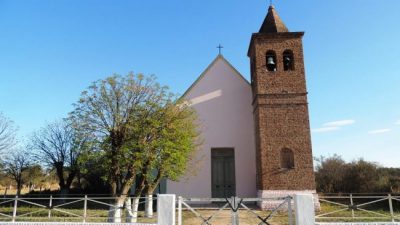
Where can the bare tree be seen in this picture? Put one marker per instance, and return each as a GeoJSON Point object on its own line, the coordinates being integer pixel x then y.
{"type": "Point", "coordinates": [60, 147]}
{"type": "Point", "coordinates": [15, 165]}
{"type": "Point", "coordinates": [7, 133]}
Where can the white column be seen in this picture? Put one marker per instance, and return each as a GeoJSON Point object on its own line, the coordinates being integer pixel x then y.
{"type": "Point", "coordinates": [166, 209]}
{"type": "Point", "coordinates": [304, 208]}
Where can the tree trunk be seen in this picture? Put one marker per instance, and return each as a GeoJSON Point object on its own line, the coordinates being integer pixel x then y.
{"type": "Point", "coordinates": [140, 184]}
{"type": "Point", "coordinates": [19, 187]}
{"type": "Point", "coordinates": [135, 208]}
{"type": "Point", "coordinates": [149, 196]}
{"type": "Point", "coordinates": [128, 208]}
{"type": "Point", "coordinates": [149, 206]}
{"type": "Point", "coordinates": [64, 191]}
{"type": "Point", "coordinates": [149, 201]}
{"type": "Point", "coordinates": [115, 212]}
{"type": "Point", "coordinates": [132, 208]}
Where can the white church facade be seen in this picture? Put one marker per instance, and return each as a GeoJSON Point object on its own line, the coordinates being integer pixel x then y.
{"type": "Point", "coordinates": [224, 164]}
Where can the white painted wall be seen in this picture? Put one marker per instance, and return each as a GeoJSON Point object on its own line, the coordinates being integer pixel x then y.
{"type": "Point", "coordinates": [222, 99]}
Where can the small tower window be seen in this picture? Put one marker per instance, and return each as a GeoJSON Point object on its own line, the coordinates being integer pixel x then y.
{"type": "Point", "coordinates": [288, 60]}
{"type": "Point", "coordinates": [287, 159]}
{"type": "Point", "coordinates": [271, 61]}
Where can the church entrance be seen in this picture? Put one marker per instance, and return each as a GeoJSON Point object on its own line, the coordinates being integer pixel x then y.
{"type": "Point", "coordinates": [223, 172]}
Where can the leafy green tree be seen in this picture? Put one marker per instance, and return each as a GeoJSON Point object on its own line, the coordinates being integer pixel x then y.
{"type": "Point", "coordinates": [330, 173]}
{"type": "Point", "coordinates": [116, 112]}
{"type": "Point", "coordinates": [172, 138]}
{"type": "Point", "coordinates": [361, 177]}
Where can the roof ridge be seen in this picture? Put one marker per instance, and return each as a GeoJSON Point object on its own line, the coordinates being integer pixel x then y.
{"type": "Point", "coordinates": [273, 23]}
{"type": "Point", "coordinates": [219, 56]}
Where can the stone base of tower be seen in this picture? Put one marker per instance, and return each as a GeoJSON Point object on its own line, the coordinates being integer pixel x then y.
{"type": "Point", "coordinates": [272, 204]}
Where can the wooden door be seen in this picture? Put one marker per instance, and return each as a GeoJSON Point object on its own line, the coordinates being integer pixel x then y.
{"type": "Point", "coordinates": [223, 172]}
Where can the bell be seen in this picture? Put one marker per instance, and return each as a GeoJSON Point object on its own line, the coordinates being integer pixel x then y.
{"type": "Point", "coordinates": [270, 61]}
{"type": "Point", "coordinates": [287, 59]}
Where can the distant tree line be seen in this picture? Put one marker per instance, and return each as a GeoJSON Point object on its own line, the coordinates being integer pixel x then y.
{"type": "Point", "coordinates": [334, 175]}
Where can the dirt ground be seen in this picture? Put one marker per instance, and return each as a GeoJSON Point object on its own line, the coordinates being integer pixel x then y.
{"type": "Point", "coordinates": [224, 218]}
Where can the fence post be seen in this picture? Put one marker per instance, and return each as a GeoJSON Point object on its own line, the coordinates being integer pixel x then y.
{"type": "Point", "coordinates": [180, 210]}
{"type": "Point", "coordinates": [391, 207]}
{"type": "Point", "coordinates": [15, 209]}
{"type": "Point", "coordinates": [166, 206]}
{"type": "Point", "coordinates": [50, 205]}
{"type": "Point", "coordinates": [290, 212]}
{"type": "Point", "coordinates": [352, 205]}
{"type": "Point", "coordinates": [85, 209]}
{"type": "Point", "coordinates": [234, 213]}
{"type": "Point", "coordinates": [304, 209]}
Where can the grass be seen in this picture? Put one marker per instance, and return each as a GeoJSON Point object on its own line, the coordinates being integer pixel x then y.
{"type": "Point", "coordinates": [374, 213]}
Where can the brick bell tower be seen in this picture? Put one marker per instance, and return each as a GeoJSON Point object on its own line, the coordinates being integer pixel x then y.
{"type": "Point", "coordinates": [283, 140]}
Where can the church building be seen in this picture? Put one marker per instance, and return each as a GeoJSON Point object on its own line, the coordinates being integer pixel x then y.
{"type": "Point", "coordinates": [255, 135]}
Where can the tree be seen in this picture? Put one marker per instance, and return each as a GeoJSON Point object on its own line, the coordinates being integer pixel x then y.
{"type": "Point", "coordinates": [59, 146]}
{"type": "Point", "coordinates": [7, 133]}
{"type": "Point", "coordinates": [172, 137]}
{"type": "Point", "coordinates": [15, 165]}
{"type": "Point", "coordinates": [34, 176]}
{"type": "Point", "coordinates": [330, 173]}
{"type": "Point", "coordinates": [334, 175]}
{"type": "Point", "coordinates": [116, 111]}
{"type": "Point", "coordinates": [361, 177]}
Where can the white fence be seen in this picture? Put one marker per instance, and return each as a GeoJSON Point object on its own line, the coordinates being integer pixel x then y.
{"type": "Point", "coordinates": [354, 208]}
{"type": "Point", "coordinates": [344, 210]}
{"type": "Point", "coordinates": [53, 210]}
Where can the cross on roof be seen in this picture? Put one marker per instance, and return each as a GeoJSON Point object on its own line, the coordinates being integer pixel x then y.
{"type": "Point", "coordinates": [220, 47]}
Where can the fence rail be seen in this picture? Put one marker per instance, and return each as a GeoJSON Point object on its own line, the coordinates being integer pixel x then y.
{"type": "Point", "coordinates": [350, 208]}
{"type": "Point", "coordinates": [74, 209]}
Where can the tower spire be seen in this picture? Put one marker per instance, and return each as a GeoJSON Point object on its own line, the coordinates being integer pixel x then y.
{"type": "Point", "coordinates": [272, 22]}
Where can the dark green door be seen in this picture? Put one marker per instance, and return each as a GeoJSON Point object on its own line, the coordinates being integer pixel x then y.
{"type": "Point", "coordinates": [223, 172]}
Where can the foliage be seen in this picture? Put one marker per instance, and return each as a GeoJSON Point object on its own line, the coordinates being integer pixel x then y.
{"type": "Point", "coordinates": [138, 125]}
{"type": "Point", "coordinates": [334, 175]}
{"type": "Point", "coordinates": [172, 137]}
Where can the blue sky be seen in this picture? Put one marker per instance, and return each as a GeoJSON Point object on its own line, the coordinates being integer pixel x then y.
{"type": "Point", "coordinates": [52, 50]}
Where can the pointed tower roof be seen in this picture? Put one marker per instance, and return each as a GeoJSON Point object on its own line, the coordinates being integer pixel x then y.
{"type": "Point", "coordinates": [273, 23]}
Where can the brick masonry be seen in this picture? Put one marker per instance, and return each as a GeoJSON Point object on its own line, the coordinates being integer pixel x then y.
{"type": "Point", "coordinates": [281, 115]}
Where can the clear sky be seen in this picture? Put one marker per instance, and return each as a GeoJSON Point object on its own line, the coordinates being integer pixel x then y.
{"type": "Point", "coordinates": [52, 50]}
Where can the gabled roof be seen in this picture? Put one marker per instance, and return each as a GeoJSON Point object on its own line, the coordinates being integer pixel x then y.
{"type": "Point", "coordinates": [219, 57]}
{"type": "Point", "coordinates": [273, 23]}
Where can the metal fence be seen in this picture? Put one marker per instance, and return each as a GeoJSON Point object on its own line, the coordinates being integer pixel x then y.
{"type": "Point", "coordinates": [355, 208]}
{"type": "Point", "coordinates": [72, 209]}
{"type": "Point", "coordinates": [233, 210]}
